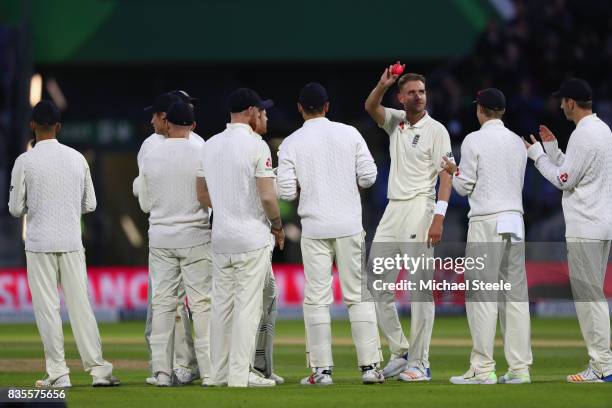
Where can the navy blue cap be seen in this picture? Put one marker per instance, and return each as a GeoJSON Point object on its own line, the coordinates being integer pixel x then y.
{"type": "Point", "coordinates": [576, 89]}
{"type": "Point", "coordinates": [313, 96]}
{"type": "Point", "coordinates": [243, 98]}
{"type": "Point", "coordinates": [45, 113]}
{"type": "Point", "coordinates": [162, 102]}
{"type": "Point", "coordinates": [181, 114]}
{"type": "Point", "coordinates": [491, 98]}
{"type": "Point", "coordinates": [185, 97]}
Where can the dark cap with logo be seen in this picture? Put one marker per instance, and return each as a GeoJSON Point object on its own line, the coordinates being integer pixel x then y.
{"type": "Point", "coordinates": [181, 114]}
{"type": "Point", "coordinates": [491, 98]}
{"type": "Point", "coordinates": [45, 113]}
{"type": "Point", "coordinates": [313, 96]}
{"type": "Point", "coordinates": [185, 97]}
{"type": "Point", "coordinates": [576, 89]}
{"type": "Point", "coordinates": [162, 102]}
{"type": "Point", "coordinates": [243, 98]}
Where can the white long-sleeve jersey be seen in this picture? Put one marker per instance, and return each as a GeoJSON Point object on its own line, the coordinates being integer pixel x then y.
{"type": "Point", "coordinates": [52, 185]}
{"type": "Point", "coordinates": [492, 170]}
{"type": "Point", "coordinates": [584, 173]}
{"type": "Point", "coordinates": [326, 162]}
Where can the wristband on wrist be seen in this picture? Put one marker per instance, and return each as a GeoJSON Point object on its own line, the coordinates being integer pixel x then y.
{"type": "Point", "coordinates": [441, 207]}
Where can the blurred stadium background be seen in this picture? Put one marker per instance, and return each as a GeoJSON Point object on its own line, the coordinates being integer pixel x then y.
{"type": "Point", "coordinates": [103, 61]}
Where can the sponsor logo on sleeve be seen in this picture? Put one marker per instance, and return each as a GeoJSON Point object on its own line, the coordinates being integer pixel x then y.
{"type": "Point", "coordinates": [401, 125]}
{"type": "Point", "coordinates": [457, 173]}
{"type": "Point", "coordinates": [11, 189]}
{"type": "Point", "coordinates": [268, 163]}
{"type": "Point", "coordinates": [563, 177]}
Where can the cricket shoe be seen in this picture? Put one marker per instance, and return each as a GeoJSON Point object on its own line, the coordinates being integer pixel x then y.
{"type": "Point", "coordinates": [258, 381]}
{"type": "Point", "coordinates": [108, 381]}
{"type": "Point", "coordinates": [318, 377]}
{"type": "Point", "coordinates": [277, 379]}
{"type": "Point", "coordinates": [396, 366]}
{"type": "Point", "coordinates": [372, 375]}
{"type": "Point", "coordinates": [207, 382]}
{"type": "Point", "coordinates": [185, 376]}
{"type": "Point", "coordinates": [60, 382]}
{"type": "Point", "coordinates": [163, 380]}
{"type": "Point", "coordinates": [415, 374]}
{"type": "Point", "coordinates": [512, 378]}
{"type": "Point", "coordinates": [471, 378]}
{"type": "Point", "coordinates": [588, 376]}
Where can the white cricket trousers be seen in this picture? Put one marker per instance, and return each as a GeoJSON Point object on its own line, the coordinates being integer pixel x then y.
{"type": "Point", "coordinates": [238, 281]}
{"type": "Point", "coordinates": [168, 267]}
{"type": "Point", "coordinates": [406, 223]}
{"type": "Point", "coordinates": [184, 353]}
{"type": "Point", "coordinates": [45, 271]}
{"type": "Point", "coordinates": [318, 256]}
{"type": "Point", "coordinates": [588, 260]}
{"type": "Point", "coordinates": [503, 260]}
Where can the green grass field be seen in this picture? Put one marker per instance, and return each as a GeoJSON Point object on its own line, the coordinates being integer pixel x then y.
{"type": "Point", "coordinates": [558, 350]}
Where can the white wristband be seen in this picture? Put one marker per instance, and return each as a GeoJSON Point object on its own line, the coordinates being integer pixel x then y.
{"type": "Point", "coordinates": [441, 207]}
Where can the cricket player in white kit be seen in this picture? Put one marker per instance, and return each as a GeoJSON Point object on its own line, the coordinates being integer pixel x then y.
{"type": "Point", "coordinates": [236, 179]}
{"type": "Point", "coordinates": [412, 219]}
{"type": "Point", "coordinates": [491, 174]}
{"type": "Point", "coordinates": [185, 362]}
{"type": "Point", "coordinates": [179, 242]}
{"type": "Point", "coordinates": [584, 173]}
{"type": "Point", "coordinates": [52, 186]}
{"type": "Point", "coordinates": [325, 163]}
{"type": "Point", "coordinates": [263, 362]}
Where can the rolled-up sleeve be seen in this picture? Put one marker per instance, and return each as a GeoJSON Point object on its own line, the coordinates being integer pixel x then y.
{"type": "Point", "coordinates": [17, 191]}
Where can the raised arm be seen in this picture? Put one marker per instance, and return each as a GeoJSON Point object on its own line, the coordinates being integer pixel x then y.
{"type": "Point", "coordinates": [551, 146]}
{"type": "Point", "coordinates": [567, 175]}
{"type": "Point", "coordinates": [373, 102]}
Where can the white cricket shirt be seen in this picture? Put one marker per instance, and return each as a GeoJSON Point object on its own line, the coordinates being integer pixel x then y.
{"type": "Point", "coordinates": [230, 162]}
{"type": "Point", "coordinates": [416, 154]}
{"type": "Point", "coordinates": [328, 161]}
{"type": "Point", "coordinates": [492, 170]}
{"type": "Point", "coordinates": [168, 193]}
{"type": "Point", "coordinates": [52, 185]}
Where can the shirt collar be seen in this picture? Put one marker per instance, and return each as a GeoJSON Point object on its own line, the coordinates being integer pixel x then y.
{"type": "Point", "coordinates": [240, 126]}
{"type": "Point", "coordinates": [492, 122]}
{"type": "Point", "coordinates": [316, 120]}
{"type": "Point", "coordinates": [586, 119]}
{"type": "Point", "coordinates": [47, 141]}
{"type": "Point", "coordinates": [421, 121]}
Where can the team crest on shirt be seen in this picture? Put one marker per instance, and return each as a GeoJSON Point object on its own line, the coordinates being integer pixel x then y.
{"type": "Point", "coordinates": [563, 177]}
{"type": "Point", "coordinates": [269, 163]}
{"type": "Point", "coordinates": [415, 140]}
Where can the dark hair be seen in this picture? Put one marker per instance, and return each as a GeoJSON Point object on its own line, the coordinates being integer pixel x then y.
{"type": "Point", "coordinates": [410, 77]}
{"type": "Point", "coordinates": [316, 111]}
{"type": "Point", "coordinates": [585, 104]}
{"type": "Point", "coordinates": [490, 113]}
